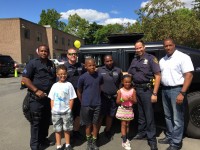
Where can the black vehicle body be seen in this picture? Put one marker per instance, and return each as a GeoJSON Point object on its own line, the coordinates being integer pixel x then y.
{"type": "Point", "coordinates": [6, 65]}
{"type": "Point", "coordinates": [123, 55]}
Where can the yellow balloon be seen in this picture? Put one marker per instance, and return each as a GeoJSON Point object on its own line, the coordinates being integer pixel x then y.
{"type": "Point", "coordinates": [77, 44]}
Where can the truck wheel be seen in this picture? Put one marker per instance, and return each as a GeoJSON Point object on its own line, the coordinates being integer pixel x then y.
{"type": "Point", "coordinates": [193, 112]}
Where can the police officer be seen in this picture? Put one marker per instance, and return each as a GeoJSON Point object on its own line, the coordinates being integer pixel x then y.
{"type": "Point", "coordinates": [39, 75]}
{"type": "Point", "coordinates": [74, 70]}
{"type": "Point", "coordinates": [112, 78]}
{"type": "Point", "coordinates": [144, 67]}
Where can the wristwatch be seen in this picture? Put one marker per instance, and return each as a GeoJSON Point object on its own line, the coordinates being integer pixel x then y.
{"type": "Point", "coordinates": [155, 94]}
{"type": "Point", "coordinates": [183, 93]}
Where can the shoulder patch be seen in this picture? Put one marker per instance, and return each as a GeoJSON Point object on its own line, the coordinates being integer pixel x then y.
{"type": "Point", "coordinates": [155, 60]}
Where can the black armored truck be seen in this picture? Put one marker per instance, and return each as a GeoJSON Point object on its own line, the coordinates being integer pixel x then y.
{"type": "Point", "coordinates": [121, 47]}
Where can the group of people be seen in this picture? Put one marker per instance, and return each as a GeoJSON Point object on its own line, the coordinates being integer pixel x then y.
{"type": "Point", "coordinates": [74, 94]}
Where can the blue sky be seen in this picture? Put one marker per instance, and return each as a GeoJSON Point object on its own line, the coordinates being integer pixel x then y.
{"type": "Point", "coordinates": [100, 11]}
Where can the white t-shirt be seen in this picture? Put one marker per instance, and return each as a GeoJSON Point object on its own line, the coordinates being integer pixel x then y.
{"type": "Point", "coordinates": [173, 68]}
{"type": "Point", "coordinates": [61, 93]}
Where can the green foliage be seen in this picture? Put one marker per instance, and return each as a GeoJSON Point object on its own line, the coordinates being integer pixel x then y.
{"type": "Point", "coordinates": [93, 28]}
{"type": "Point", "coordinates": [77, 26]}
{"type": "Point", "coordinates": [51, 17]}
{"type": "Point", "coordinates": [196, 8]}
{"type": "Point", "coordinates": [160, 20]}
{"type": "Point", "coordinates": [102, 33]}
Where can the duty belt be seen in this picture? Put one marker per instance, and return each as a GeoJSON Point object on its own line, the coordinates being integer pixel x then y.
{"type": "Point", "coordinates": [33, 96]}
{"type": "Point", "coordinates": [144, 85]}
{"type": "Point", "coordinates": [109, 96]}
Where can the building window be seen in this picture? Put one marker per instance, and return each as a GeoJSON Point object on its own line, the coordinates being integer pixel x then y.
{"type": "Point", "coordinates": [27, 33]}
{"type": "Point", "coordinates": [63, 41]}
{"type": "Point", "coordinates": [68, 42]}
{"type": "Point", "coordinates": [56, 39]}
{"type": "Point", "coordinates": [39, 36]}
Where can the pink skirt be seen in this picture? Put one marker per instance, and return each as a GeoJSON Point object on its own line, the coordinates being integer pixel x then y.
{"type": "Point", "coordinates": [125, 113]}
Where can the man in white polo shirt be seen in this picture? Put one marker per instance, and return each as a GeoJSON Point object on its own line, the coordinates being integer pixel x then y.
{"type": "Point", "coordinates": [176, 76]}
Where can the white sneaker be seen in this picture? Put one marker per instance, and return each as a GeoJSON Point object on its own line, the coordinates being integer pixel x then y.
{"type": "Point", "coordinates": [126, 145]}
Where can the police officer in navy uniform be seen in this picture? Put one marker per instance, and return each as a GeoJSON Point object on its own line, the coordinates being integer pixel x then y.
{"type": "Point", "coordinates": [144, 68]}
{"type": "Point", "coordinates": [39, 75]}
{"type": "Point", "coordinates": [74, 70]}
{"type": "Point", "coordinates": [112, 76]}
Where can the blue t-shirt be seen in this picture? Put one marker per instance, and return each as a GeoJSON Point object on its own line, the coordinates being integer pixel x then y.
{"type": "Point", "coordinates": [90, 86]}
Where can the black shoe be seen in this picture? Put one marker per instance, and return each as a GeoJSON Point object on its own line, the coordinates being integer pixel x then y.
{"type": "Point", "coordinates": [173, 148]}
{"type": "Point", "coordinates": [164, 141]}
{"type": "Point", "coordinates": [47, 142]}
{"type": "Point", "coordinates": [68, 148]}
{"type": "Point", "coordinates": [139, 137]}
{"type": "Point", "coordinates": [89, 144]}
{"type": "Point", "coordinates": [108, 134]}
{"type": "Point", "coordinates": [94, 144]}
{"type": "Point", "coordinates": [77, 135]}
{"type": "Point", "coordinates": [153, 147]}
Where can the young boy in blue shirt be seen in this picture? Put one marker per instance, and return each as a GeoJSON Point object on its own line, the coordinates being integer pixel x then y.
{"type": "Point", "coordinates": [89, 92]}
{"type": "Point", "coordinates": [62, 95]}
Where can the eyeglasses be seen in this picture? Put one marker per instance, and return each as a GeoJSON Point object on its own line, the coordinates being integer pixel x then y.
{"type": "Point", "coordinates": [71, 54]}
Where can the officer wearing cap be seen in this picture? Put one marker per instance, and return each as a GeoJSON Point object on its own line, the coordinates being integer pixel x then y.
{"type": "Point", "coordinates": [39, 75]}
{"type": "Point", "coordinates": [112, 78]}
{"type": "Point", "coordinates": [74, 70]}
{"type": "Point", "coordinates": [144, 67]}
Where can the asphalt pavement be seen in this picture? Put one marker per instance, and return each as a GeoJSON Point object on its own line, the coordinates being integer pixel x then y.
{"type": "Point", "coordinates": [15, 129]}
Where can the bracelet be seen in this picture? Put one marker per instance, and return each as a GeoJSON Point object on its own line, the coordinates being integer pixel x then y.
{"type": "Point", "coordinates": [155, 94]}
{"type": "Point", "coordinates": [183, 93]}
{"type": "Point", "coordinates": [121, 99]}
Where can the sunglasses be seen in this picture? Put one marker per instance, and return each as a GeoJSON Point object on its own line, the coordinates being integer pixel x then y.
{"type": "Point", "coordinates": [71, 54]}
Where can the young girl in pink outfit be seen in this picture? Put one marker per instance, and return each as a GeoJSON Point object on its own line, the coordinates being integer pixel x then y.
{"type": "Point", "coordinates": [126, 97]}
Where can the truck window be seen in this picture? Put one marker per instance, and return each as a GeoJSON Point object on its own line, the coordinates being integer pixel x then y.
{"type": "Point", "coordinates": [97, 57]}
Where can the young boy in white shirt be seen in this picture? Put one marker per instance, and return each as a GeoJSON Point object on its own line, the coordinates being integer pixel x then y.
{"type": "Point", "coordinates": [62, 94]}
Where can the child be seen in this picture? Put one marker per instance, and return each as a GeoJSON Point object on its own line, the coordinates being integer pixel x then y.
{"type": "Point", "coordinates": [88, 91]}
{"type": "Point", "coordinates": [126, 96]}
{"type": "Point", "coordinates": [62, 94]}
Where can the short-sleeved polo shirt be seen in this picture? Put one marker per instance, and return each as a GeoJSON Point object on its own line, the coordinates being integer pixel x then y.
{"type": "Point", "coordinates": [174, 67]}
{"type": "Point", "coordinates": [91, 92]}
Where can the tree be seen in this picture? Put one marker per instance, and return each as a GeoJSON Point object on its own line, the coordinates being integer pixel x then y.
{"type": "Point", "coordinates": [51, 17]}
{"type": "Point", "coordinates": [93, 28]}
{"type": "Point", "coordinates": [160, 20]}
{"type": "Point", "coordinates": [101, 34]}
{"type": "Point", "coordinates": [196, 8]}
{"type": "Point", "coordinates": [77, 26]}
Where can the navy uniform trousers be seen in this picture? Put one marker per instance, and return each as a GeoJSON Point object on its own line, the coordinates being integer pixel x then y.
{"type": "Point", "coordinates": [41, 119]}
{"type": "Point", "coordinates": [146, 124]}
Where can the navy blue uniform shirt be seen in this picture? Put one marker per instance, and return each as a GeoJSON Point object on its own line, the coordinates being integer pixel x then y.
{"type": "Point", "coordinates": [74, 72]}
{"type": "Point", "coordinates": [144, 68]}
{"type": "Point", "coordinates": [91, 92]}
{"type": "Point", "coordinates": [42, 75]}
{"type": "Point", "coordinates": [112, 79]}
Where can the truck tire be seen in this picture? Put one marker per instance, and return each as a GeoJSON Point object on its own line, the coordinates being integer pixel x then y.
{"type": "Point", "coordinates": [193, 114]}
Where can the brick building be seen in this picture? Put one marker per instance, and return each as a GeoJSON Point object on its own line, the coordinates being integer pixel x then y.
{"type": "Point", "coordinates": [19, 38]}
